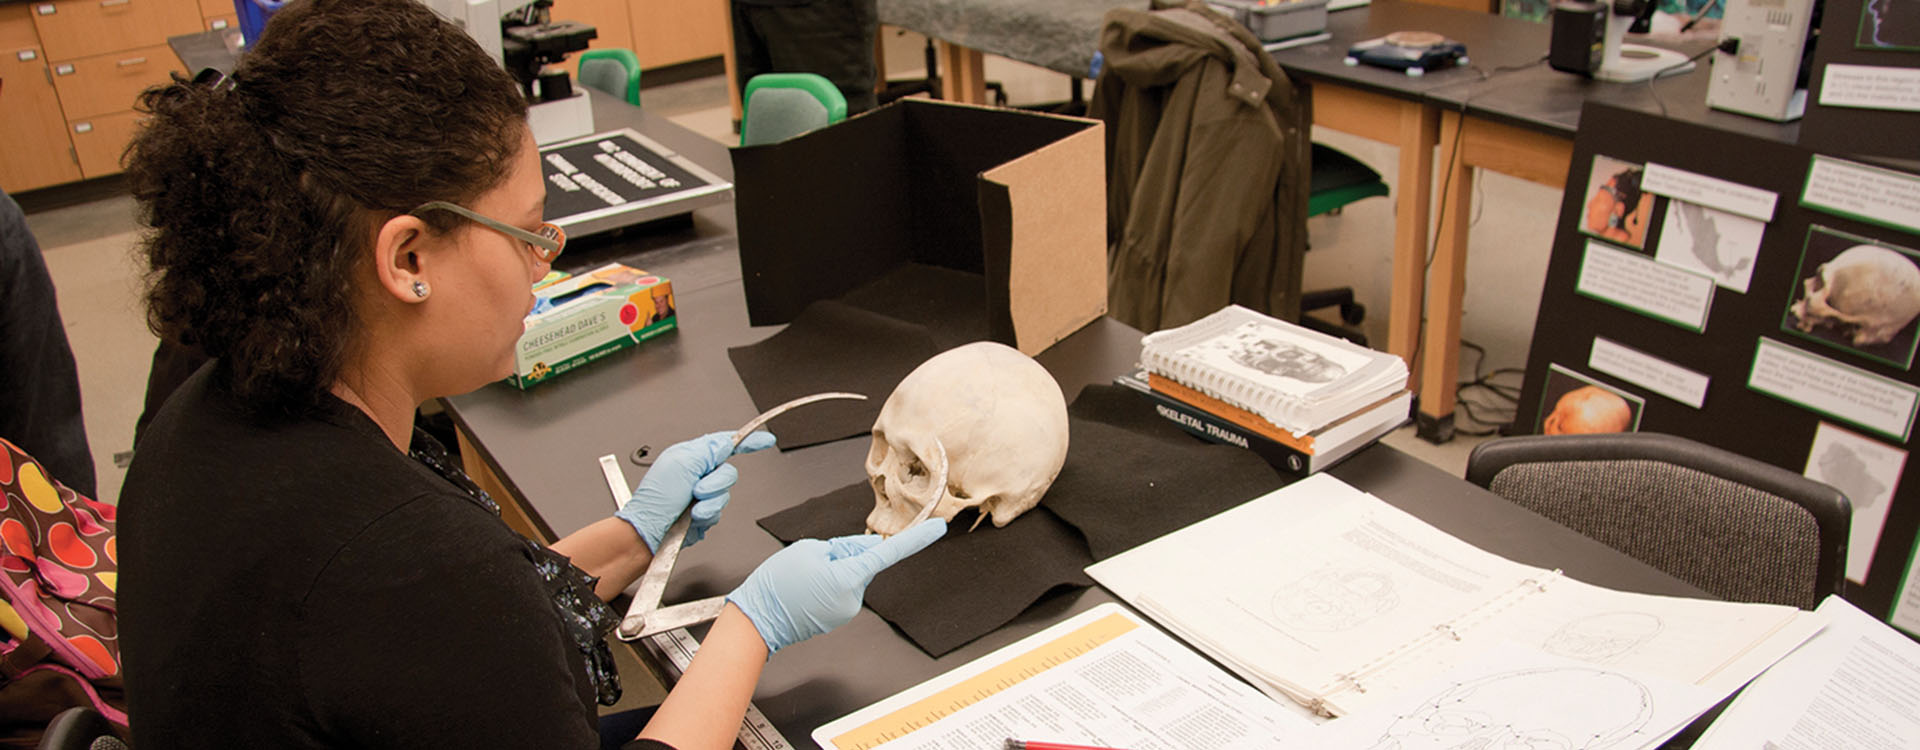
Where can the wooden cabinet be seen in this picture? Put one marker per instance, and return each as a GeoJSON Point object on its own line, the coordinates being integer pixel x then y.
{"type": "Point", "coordinates": [34, 149]}
{"type": "Point", "coordinates": [660, 32]}
{"type": "Point", "coordinates": [73, 71]}
{"type": "Point", "coordinates": [99, 141]}
{"type": "Point", "coordinates": [609, 18]}
{"type": "Point", "coordinates": [103, 84]}
{"type": "Point", "coordinates": [666, 32]}
{"type": "Point", "coordinates": [82, 28]}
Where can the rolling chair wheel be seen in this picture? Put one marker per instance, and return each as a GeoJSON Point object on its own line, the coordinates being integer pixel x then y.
{"type": "Point", "coordinates": [1353, 313]}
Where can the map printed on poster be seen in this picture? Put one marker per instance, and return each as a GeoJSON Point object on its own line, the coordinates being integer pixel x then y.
{"type": "Point", "coordinates": [1867, 472]}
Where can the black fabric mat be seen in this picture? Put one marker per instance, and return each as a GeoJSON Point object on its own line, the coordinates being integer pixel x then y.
{"type": "Point", "coordinates": [951, 304]}
{"type": "Point", "coordinates": [1132, 476]}
{"type": "Point", "coordinates": [831, 346]}
{"type": "Point", "coordinates": [963, 586]}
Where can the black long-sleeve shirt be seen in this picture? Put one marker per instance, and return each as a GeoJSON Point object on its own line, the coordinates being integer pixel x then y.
{"type": "Point", "coordinates": [303, 583]}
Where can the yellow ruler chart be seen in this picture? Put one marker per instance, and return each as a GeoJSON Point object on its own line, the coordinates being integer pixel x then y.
{"type": "Point", "coordinates": [1015, 669]}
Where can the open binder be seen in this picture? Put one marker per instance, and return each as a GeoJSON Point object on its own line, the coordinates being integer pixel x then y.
{"type": "Point", "coordinates": [1327, 596]}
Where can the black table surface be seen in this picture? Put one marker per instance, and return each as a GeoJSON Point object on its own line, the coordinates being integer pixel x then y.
{"type": "Point", "coordinates": [1507, 79]}
{"type": "Point", "coordinates": [545, 444]}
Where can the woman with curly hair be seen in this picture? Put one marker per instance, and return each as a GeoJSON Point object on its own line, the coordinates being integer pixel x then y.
{"type": "Point", "coordinates": [349, 225]}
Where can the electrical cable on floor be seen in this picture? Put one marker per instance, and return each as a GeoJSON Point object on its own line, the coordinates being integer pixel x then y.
{"type": "Point", "coordinates": [1499, 405]}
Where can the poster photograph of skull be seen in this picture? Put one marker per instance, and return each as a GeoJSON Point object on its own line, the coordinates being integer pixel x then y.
{"type": "Point", "coordinates": [1574, 404]}
{"type": "Point", "coordinates": [1857, 294]}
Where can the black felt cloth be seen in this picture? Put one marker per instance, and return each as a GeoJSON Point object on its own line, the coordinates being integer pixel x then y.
{"type": "Point", "coordinates": [832, 346]}
{"type": "Point", "coordinates": [1130, 477]}
{"type": "Point", "coordinates": [865, 342]}
{"type": "Point", "coordinates": [963, 586]}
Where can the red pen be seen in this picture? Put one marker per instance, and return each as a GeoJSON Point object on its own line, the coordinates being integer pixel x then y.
{"type": "Point", "coordinates": [1013, 744]}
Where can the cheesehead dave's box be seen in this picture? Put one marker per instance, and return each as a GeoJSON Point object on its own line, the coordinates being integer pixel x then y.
{"type": "Point", "coordinates": [584, 317]}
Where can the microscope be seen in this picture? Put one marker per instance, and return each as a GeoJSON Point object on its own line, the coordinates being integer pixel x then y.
{"type": "Point", "coordinates": [533, 48]}
{"type": "Point", "coordinates": [1589, 38]}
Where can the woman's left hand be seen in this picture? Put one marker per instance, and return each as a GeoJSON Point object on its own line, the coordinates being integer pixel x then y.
{"type": "Point", "coordinates": [693, 472]}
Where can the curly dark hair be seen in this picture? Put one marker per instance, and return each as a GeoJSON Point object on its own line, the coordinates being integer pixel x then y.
{"type": "Point", "coordinates": [262, 190]}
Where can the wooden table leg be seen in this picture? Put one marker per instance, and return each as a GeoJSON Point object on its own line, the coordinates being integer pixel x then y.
{"type": "Point", "coordinates": [963, 74]}
{"type": "Point", "coordinates": [1440, 350]}
{"type": "Point", "coordinates": [1419, 131]}
{"type": "Point", "coordinates": [726, 55]}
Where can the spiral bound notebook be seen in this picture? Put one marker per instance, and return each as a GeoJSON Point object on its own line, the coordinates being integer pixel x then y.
{"type": "Point", "coordinates": [1296, 378]}
{"type": "Point", "coordinates": [1321, 594]}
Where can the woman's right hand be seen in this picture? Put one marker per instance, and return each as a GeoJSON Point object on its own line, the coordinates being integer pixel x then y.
{"type": "Point", "coordinates": [814, 586]}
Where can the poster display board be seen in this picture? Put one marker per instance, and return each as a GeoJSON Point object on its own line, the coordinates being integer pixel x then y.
{"type": "Point", "coordinates": [1863, 89]}
{"type": "Point", "coordinates": [1756, 295]}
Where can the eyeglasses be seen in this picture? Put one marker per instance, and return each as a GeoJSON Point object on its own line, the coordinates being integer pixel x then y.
{"type": "Point", "coordinates": [544, 244]}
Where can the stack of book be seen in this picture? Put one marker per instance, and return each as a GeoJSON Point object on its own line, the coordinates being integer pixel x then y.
{"type": "Point", "coordinates": [1299, 398]}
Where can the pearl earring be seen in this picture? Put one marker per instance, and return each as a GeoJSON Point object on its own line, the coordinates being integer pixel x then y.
{"type": "Point", "coordinates": [420, 289]}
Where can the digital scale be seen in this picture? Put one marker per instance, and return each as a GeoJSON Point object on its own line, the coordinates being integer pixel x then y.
{"type": "Point", "coordinates": [1414, 52]}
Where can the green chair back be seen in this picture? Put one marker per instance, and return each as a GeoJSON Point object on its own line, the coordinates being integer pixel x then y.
{"type": "Point", "coordinates": [615, 71]}
{"type": "Point", "coordinates": [1339, 179]}
{"type": "Point", "coordinates": [778, 106]}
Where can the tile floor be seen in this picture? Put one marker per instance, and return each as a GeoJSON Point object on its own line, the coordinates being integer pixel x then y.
{"type": "Point", "coordinates": [89, 236]}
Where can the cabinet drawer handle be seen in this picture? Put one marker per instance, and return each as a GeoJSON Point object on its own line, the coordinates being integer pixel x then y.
{"type": "Point", "coordinates": [83, 127]}
{"type": "Point", "coordinates": [27, 55]}
{"type": "Point", "coordinates": [111, 3]}
{"type": "Point", "coordinates": [45, 9]}
{"type": "Point", "coordinates": [63, 69]}
{"type": "Point", "coordinates": [132, 61]}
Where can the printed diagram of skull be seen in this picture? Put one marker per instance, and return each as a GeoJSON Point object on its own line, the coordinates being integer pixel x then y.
{"type": "Point", "coordinates": [1873, 290]}
{"type": "Point", "coordinates": [1001, 420]}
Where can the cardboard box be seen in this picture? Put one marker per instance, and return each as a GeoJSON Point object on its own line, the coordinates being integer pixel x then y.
{"type": "Point", "coordinates": [1016, 197]}
{"type": "Point", "coordinates": [593, 314]}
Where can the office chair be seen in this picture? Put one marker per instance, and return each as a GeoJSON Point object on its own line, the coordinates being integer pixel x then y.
{"type": "Point", "coordinates": [615, 71]}
{"type": "Point", "coordinates": [778, 106]}
{"type": "Point", "coordinates": [80, 728]}
{"type": "Point", "coordinates": [1738, 528]}
{"type": "Point", "coordinates": [1337, 180]}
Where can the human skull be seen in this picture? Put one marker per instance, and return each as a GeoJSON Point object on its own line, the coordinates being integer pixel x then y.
{"type": "Point", "coordinates": [1872, 289]}
{"type": "Point", "coordinates": [1001, 420]}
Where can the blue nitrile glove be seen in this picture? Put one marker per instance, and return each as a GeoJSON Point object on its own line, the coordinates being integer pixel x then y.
{"type": "Point", "coordinates": [814, 586]}
{"type": "Point", "coordinates": [694, 471]}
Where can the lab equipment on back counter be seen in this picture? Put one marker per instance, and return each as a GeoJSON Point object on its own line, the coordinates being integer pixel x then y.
{"type": "Point", "coordinates": [1761, 66]}
{"type": "Point", "coordinates": [533, 47]}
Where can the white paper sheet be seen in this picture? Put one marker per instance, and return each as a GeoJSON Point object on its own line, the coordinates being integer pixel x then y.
{"type": "Point", "coordinates": [1650, 372]}
{"type": "Point", "coordinates": [1814, 382]}
{"type": "Point", "coordinates": [1639, 283]}
{"type": "Point", "coordinates": [1871, 87]}
{"type": "Point", "coordinates": [1881, 196]}
{"type": "Point", "coordinates": [1515, 696]}
{"type": "Point", "coordinates": [1078, 683]}
{"type": "Point", "coordinates": [1856, 685]}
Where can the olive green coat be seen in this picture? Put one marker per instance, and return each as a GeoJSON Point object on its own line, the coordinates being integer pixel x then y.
{"type": "Point", "coordinates": [1208, 155]}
